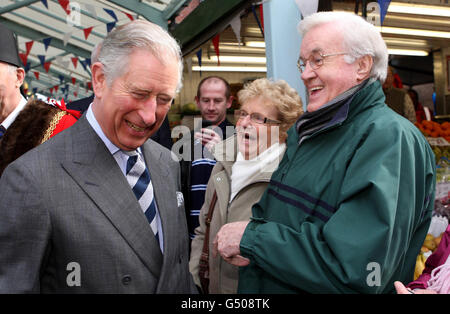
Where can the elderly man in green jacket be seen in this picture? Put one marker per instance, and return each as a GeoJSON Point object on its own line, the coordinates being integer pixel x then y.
{"type": "Point", "coordinates": [350, 204]}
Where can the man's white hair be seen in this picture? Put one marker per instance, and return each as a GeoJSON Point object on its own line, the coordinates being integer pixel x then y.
{"type": "Point", "coordinates": [360, 38]}
{"type": "Point", "coordinates": [121, 42]}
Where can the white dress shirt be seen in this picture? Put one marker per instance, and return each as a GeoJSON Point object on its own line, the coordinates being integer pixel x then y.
{"type": "Point", "coordinates": [13, 115]}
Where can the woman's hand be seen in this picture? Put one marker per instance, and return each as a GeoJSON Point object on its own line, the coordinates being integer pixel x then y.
{"type": "Point", "coordinates": [401, 289]}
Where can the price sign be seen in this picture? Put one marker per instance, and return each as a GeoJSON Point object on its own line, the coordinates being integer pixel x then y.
{"type": "Point", "coordinates": [437, 141]}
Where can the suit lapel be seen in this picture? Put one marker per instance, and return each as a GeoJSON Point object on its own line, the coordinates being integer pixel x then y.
{"type": "Point", "coordinates": [166, 201]}
{"type": "Point", "coordinates": [96, 171]}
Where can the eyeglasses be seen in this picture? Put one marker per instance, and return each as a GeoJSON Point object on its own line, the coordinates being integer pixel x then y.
{"type": "Point", "coordinates": [315, 60]}
{"type": "Point", "coordinates": [254, 117]}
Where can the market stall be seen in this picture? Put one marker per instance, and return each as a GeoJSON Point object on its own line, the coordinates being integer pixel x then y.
{"type": "Point", "coordinates": [438, 136]}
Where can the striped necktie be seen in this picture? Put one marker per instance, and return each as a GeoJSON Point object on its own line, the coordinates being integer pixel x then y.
{"type": "Point", "coordinates": [138, 178]}
{"type": "Point", "coordinates": [2, 131]}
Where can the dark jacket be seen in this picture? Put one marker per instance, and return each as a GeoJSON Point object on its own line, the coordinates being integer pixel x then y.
{"type": "Point", "coordinates": [186, 167]}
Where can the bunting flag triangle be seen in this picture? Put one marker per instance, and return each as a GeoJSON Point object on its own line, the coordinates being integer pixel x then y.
{"type": "Point", "coordinates": [215, 41]}
{"type": "Point", "coordinates": [44, 2]}
{"type": "Point", "coordinates": [61, 79]}
{"type": "Point", "coordinates": [261, 16]}
{"type": "Point", "coordinates": [189, 66]}
{"type": "Point", "coordinates": [36, 74]}
{"type": "Point", "coordinates": [91, 9]}
{"type": "Point", "coordinates": [41, 59]}
{"type": "Point", "coordinates": [257, 20]}
{"type": "Point", "coordinates": [56, 88]}
{"type": "Point", "coordinates": [384, 4]}
{"type": "Point", "coordinates": [65, 64]}
{"type": "Point", "coordinates": [129, 15]}
{"type": "Point", "coordinates": [34, 90]}
{"type": "Point", "coordinates": [199, 58]}
{"type": "Point", "coordinates": [110, 26]}
{"type": "Point", "coordinates": [58, 60]}
{"type": "Point", "coordinates": [84, 64]}
{"type": "Point", "coordinates": [88, 61]}
{"type": "Point", "coordinates": [73, 80]}
{"type": "Point", "coordinates": [307, 7]}
{"type": "Point", "coordinates": [87, 32]}
{"type": "Point", "coordinates": [236, 27]}
{"type": "Point", "coordinates": [111, 12]}
{"type": "Point", "coordinates": [75, 62]}
{"type": "Point", "coordinates": [27, 67]}
{"type": "Point", "coordinates": [67, 37]}
{"type": "Point", "coordinates": [65, 5]}
{"type": "Point", "coordinates": [47, 42]}
{"type": "Point", "coordinates": [89, 85]}
{"type": "Point", "coordinates": [51, 90]}
{"type": "Point", "coordinates": [28, 46]}
{"type": "Point", "coordinates": [47, 66]}
{"type": "Point", "coordinates": [75, 94]}
{"type": "Point", "coordinates": [23, 58]}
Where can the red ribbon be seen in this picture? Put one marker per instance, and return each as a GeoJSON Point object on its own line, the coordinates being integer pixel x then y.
{"type": "Point", "coordinates": [62, 106]}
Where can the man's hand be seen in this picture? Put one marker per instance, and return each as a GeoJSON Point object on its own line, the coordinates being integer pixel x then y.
{"type": "Point", "coordinates": [227, 243]}
{"type": "Point", "coordinates": [208, 137]}
{"type": "Point", "coordinates": [401, 289]}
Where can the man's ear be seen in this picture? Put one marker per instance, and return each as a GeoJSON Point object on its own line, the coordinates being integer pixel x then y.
{"type": "Point", "coordinates": [197, 102]}
{"type": "Point", "coordinates": [98, 79]}
{"type": "Point", "coordinates": [230, 102]}
{"type": "Point", "coordinates": [20, 76]}
{"type": "Point", "coordinates": [365, 64]}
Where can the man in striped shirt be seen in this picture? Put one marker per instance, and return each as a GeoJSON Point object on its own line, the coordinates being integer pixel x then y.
{"type": "Point", "coordinates": [213, 99]}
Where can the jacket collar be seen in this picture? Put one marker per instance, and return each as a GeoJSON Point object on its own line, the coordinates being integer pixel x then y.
{"type": "Point", "coordinates": [338, 110]}
{"type": "Point", "coordinates": [370, 96]}
{"type": "Point", "coordinates": [225, 153]}
{"type": "Point", "coordinates": [333, 112]}
{"type": "Point", "coordinates": [367, 97]}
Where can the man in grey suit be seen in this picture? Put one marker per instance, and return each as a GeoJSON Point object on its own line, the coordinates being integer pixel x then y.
{"type": "Point", "coordinates": [72, 220]}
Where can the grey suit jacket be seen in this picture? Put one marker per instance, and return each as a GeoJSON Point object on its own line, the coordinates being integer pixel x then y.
{"type": "Point", "coordinates": [70, 223]}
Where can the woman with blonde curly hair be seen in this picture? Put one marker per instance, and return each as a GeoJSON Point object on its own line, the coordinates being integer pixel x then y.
{"type": "Point", "coordinates": [240, 176]}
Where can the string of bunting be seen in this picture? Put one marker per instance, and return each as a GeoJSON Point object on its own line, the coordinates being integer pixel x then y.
{"type": "Point", "coordinates": [64, 89]}
{"type": "Point", "coordinates": [235, 24]}
{"type": "Point", "coordinates": [68, 7]}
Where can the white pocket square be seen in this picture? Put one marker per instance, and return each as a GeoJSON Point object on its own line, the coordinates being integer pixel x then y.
{"type": "Point", "coordinates": [180, 198]}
